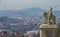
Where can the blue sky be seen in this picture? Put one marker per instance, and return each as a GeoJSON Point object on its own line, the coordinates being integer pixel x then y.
{"type": "Point", "coordinates": [23, 4]}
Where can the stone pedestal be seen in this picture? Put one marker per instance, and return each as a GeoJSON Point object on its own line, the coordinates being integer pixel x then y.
{"type": "Point", "coordinates": [48, 30]}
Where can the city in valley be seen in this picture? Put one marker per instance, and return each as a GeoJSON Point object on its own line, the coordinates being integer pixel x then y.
{"type": "Point", "coordinates": [29, 18]}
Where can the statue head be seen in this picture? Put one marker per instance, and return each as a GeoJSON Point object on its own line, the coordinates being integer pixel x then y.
{"type": "Point", "coordinates": [51, 8]}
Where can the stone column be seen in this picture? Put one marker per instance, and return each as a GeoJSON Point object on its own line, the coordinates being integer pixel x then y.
{"type": "Point", "coordinates": [53, 33]}
{"type": "Point", "coordinates": [42, 33]}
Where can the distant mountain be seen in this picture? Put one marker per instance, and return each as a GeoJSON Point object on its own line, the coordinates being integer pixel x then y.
{"type": "Point", "coordinates": [31, 11]}
{"type": "Point", "coordinates": [27, 12]}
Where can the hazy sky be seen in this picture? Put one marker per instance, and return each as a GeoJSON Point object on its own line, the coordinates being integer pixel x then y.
{"type": "Point", "coordinates": [23, 4]}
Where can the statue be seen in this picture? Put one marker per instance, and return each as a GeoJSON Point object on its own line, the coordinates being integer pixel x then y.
{"type": "Point", "coordinates": [49, 17]}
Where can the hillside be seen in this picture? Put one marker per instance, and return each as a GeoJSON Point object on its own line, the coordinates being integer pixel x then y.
{"type": "Point", "coordinates": [23, 20]}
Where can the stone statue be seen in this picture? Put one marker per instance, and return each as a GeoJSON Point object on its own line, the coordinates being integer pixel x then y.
{"type": "Point", "coordinates": [49, 17]}
{"type": "Point", "coordinates": [45, 16]}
